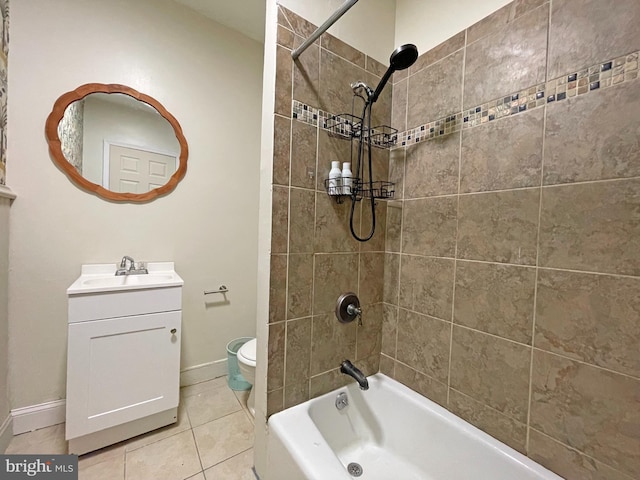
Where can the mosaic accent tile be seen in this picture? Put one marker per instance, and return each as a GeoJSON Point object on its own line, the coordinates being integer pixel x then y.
{"type": "Point", "coordinates": [344, 125]}
{"type": "Point", "coordinates": [600, 76]}
{"type": "Point", "coordinates": [304, 113]}
{"type": "Point", "coordinates": [597, 77]}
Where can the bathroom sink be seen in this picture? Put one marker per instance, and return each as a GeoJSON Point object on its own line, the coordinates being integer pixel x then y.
{"type": "Point", "coordinates": [102, 278]}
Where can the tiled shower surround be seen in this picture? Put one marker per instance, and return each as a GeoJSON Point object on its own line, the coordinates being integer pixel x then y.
{"type": "Point", "coordinates": [314, 257]}
{"type": "Point", "coordinates": [511, 290]}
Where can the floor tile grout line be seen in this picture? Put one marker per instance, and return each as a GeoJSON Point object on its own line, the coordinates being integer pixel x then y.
{"type": "Point", "coordinates": [226, 459]}
{"type": "Point", "coordinates": [210, 421]}
{"type": "Point", "coordinates": [195, 442]}
{"type": "Point", "coordinates": [125, 453]}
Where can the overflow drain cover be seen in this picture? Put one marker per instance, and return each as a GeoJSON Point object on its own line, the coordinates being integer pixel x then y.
{"type": "Point", "coordinates": [354, 469]}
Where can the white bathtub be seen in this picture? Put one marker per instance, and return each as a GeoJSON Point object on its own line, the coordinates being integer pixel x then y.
{"type": "Point", "coordinates": [392, 433]}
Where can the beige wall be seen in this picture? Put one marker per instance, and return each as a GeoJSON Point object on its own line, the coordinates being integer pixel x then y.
{"type": "Point", "coordinates": [206, 75]}
{"type": "Point", "coordinates": [512, 276]}
{"type": "Point", "coordinates": [426, 23]}
{"type": "Point", "coordinates": [5, 205]}
{"type": "Point", "coordinates": [367, 26]}
{"type": "Point", "coordinates": [4, 317]}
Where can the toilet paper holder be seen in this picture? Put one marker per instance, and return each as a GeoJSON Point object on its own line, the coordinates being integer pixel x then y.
{"type": "Point", "coordinates": [221, 289]}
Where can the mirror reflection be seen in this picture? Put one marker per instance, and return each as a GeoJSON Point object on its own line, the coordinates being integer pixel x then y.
{"type": "Point", "coordinates": [118, 142]}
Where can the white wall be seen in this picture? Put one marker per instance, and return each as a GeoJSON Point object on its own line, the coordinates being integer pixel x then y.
{"type": "Point", "coordinates": [264, 238]}
{"type": "Point", "coordinates": [4, 318]}
{"type": "Point", "coordinates": [118, 123]}
{"type": "Point", "coordinates": [429, 23]}
{"type": "Point", "coordinates": [206, 75]}
{"type": "Point", "coordinates": [367, 26]}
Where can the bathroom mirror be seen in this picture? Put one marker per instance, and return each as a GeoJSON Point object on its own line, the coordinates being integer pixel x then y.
{"type": "Point", "coordinates": [116, 142]}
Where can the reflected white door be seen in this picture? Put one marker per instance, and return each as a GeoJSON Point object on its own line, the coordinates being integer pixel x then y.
{"type": "Point", "coordinates": [138, 171]}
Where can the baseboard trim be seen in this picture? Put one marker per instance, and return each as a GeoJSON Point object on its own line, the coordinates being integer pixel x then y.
{"type": "Point", "coordinates": [28, 419]}
{"type": "Point", "coordinates": [6, 433]}
{"type": "Point", "coordinates": [202, 373]}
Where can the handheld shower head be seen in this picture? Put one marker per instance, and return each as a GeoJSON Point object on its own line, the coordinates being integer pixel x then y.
{"type": "Point", "coordinates": [402, 58]}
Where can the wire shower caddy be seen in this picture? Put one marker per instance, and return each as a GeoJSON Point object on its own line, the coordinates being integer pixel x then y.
{"type": "Point", "coordinates": [350, 126]}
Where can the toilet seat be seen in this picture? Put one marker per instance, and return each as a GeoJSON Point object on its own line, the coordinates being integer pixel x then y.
{"type": "Point", "coordinates": [247, 353]}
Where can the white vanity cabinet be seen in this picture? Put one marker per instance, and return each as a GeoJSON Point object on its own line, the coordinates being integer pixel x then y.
{"type": "Point", "coordinates": [123, 360]}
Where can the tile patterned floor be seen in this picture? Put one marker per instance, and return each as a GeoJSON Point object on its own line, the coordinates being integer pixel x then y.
{"type": "Point", "coordinates": [212, 440]}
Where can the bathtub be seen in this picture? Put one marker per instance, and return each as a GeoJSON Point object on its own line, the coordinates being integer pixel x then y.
{"type": "Point", "coordinates": [389, 432]}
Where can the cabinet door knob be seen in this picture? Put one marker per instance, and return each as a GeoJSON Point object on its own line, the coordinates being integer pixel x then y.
{"type": "Point", "coordinates": [173, 331]}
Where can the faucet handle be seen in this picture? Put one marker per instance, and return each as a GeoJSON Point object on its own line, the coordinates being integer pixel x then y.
{"type": "Point", "coordinates": [348, 308]}
{"type": "Point", "coordinates": [355, 311]}
{"type": "Point", "coordinates": [123, 262]}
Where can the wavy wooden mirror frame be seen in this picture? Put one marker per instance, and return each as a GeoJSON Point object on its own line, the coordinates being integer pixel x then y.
{"type": "Point", "coordinates": [55, 145]}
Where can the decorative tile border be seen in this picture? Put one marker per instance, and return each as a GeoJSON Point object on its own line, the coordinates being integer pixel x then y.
{"type": "Point", "coordinates": [596, 77]}
{"type": "Point", "coordinates": [304, 113]}
{"type": "Point", "coordinates": [343, 124]}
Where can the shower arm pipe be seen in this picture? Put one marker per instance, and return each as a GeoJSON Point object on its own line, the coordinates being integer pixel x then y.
{"type": "Point", "coordinates": [323, 28]}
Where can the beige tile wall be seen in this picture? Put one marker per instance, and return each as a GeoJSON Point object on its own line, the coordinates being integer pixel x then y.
{"type": "Point", "coordinates": [512, 274]}
{"type": "Point", "coordinates": [314, 257]}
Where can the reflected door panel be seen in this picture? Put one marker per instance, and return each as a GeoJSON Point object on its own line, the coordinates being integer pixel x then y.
{"type": "Point", "coordinates": [133, 170]}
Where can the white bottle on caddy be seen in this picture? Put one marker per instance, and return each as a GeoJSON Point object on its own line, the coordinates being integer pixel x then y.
{"type": "Point", "coordinates": [335, 179]}
{"type": "Point", "coordinates": [347, 178]}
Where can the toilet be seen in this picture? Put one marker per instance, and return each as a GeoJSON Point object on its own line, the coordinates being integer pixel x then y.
{"type": "Point", "coordinates": [247, 364]}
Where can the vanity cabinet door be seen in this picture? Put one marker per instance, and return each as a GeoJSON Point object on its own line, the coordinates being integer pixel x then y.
{"type": "Point", "coordinates": [121, 369]}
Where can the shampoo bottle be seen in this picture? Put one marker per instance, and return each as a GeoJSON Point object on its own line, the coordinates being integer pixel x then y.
{"type": "Point", "coordinates": [346, 178]}
{"type": "Point", "coordinates": [335, 179]}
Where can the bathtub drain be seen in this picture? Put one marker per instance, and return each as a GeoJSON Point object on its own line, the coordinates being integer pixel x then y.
{"type": "Point", "coordinates": [354, 469]}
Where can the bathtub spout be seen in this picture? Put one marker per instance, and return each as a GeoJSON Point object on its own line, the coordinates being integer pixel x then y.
{"type": "Point", "coordinates": [350, 369]}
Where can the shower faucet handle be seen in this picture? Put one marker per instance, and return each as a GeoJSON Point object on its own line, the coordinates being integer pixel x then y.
{"type": "Point", "coordinates": [353, 309]}
{"type": "Point", "coordinates": [348, 308]}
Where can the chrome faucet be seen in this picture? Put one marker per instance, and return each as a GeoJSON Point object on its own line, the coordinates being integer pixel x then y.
{"type": "Point", "coordinates": [350, 369]}
{"type": "Point", "coordinates": [134, 268]}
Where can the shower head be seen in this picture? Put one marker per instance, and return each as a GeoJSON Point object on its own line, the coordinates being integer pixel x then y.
{"type": "Point", "coordinates": [402, 58]}
{"type": "Point", "coordinates": [357, 86]}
